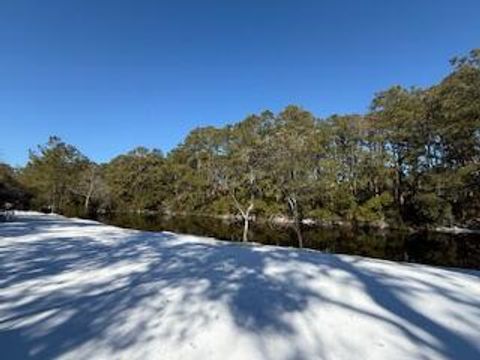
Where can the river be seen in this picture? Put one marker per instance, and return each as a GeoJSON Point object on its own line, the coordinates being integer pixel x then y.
{"type": "Point", "coordinates": [433, 248]}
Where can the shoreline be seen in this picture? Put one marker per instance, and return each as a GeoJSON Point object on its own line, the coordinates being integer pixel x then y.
{"type": "Point", "coordinates": [312, 222]}
{"type": "Point", "coordinates": [75, 288]}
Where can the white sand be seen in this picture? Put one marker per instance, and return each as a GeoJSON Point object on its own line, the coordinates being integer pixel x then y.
{"type": "Point", "coordinates": [78, 289]}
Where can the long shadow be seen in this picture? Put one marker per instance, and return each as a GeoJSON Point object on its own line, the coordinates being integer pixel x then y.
{"type": "Point", "coordinates": [32, 224]}
{"type": "Point", "coordinates": [448, 342]}
{"type": "Point", "coordinates": [74, 314]}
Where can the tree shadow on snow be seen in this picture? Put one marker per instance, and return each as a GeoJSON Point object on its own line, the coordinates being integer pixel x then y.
{"type": "Point", "coordinates": [170, 282]}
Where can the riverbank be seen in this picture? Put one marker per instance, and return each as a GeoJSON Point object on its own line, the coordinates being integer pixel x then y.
{"type": "Point", "coordinates": [315, 222]}
{"type": "Point", "coordinates": [74, 288]}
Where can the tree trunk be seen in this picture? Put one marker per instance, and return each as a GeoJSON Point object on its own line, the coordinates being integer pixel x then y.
{"type": "Point", "coordinates": [87, 203]}
{"type": "Point", "coordinates": [245, 215]}
{"type": "Point", "coordinates": [91, 188]}
{"type": "Point", "coordinates": [88, 196]}
{"type": "Point", "coordinates": [297, 222]}
{"type": "Point", "coordinates": [53, 199]}
{"type": "Point", "coordinates": [245, 229]}
{"type": "Point", "coordinates": [298, 231]}
{"type": "Point", "coordinates": [246, 222]}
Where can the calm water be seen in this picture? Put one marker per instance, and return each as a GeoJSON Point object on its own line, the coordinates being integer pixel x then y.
{"type": "Point", "coordinates": [427, 248]}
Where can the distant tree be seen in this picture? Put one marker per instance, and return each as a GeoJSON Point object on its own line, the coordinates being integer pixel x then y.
{"type": "Point", "coordinates": [137, 179]}
{"type": "Point", "coordinates": [456, 112]}
{"type": "Point", "coordinates": [89, 185]}
{"type": "Point", "coordinates": [196, 165]}
{"type": "Point", "coordinates": [241, 172]}
{"type": "Point", "coordinates": [413, 158]}
{"type": "Point", "coordinates": [289, 161]}
{"type": "Point", "coordinates": [51, 173]}
{"type": "Point", "coordinates": [11, 190]}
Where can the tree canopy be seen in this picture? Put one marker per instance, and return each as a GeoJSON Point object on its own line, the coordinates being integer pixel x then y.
{"type": "Point", "coordinates": [413, 158]}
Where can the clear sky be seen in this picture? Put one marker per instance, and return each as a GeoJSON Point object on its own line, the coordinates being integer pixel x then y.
{"type": "Point", "coordinates": [108, 75]}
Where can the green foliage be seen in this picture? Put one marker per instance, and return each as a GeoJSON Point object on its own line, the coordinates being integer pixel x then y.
{"type": "Point", "coordinates": [322, 214]}
{"type": "Point", "coordinates": [137, 180]}
{"type": "Point", "coordinates": [428, 208]}
{"type": "Point", "coordinates": [374, 209]}
{"type": "Point", "coordinates": [219, 206]}
{"type": "Point", "coordinates": [267, 209]}
{"type": "Point", "coordinates": [11, 190]}
{"type": "Point", "coordinates": [52, 174]}
{"type": "Point", "coordinates": [414, 158]}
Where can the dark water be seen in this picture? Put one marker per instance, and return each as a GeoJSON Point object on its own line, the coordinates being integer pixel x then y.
{"type": "Point", "coordinates": [427, 247]}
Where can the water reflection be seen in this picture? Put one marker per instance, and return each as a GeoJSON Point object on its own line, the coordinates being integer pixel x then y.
{"type": "Point", "coordinates": [428, 248]}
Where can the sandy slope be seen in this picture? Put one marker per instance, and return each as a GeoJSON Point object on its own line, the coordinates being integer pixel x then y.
{"type": "Point", "coordinates": [81, 290]}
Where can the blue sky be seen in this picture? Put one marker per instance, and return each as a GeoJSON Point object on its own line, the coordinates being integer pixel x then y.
{"type": "Point", "coordinates": [110, 75]}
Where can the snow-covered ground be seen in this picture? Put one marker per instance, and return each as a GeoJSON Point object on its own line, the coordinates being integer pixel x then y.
{"type": "Point", "coordinates": [78, 289]}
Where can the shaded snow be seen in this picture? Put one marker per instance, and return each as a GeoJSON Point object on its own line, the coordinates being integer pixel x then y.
{"type": "Point", "coordinates": [78, 289]}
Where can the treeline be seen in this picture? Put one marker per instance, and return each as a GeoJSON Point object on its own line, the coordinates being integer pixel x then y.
{"type": "Point", "coordinates": [414, 158]}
